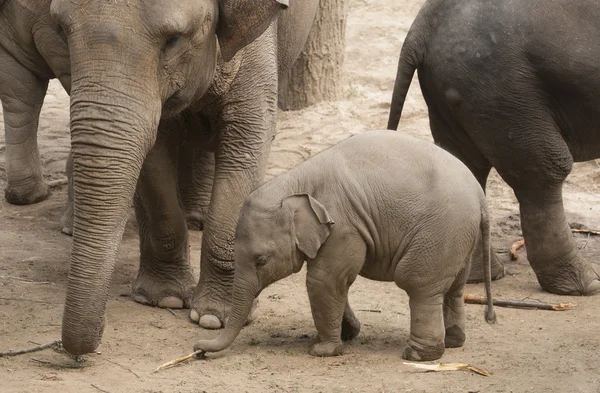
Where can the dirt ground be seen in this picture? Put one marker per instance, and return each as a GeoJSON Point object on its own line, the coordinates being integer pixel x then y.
{"type": "Point", "coordinates": [527, 351]}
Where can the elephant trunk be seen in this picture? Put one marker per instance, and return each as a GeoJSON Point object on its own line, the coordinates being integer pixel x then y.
{"type": "Point", "coordinates": [245, 289]}
{"type": "Point", "coordinates": [113, 126]}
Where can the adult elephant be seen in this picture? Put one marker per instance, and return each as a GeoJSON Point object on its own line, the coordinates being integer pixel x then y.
{"type": "Point", "coordinates": [514, 85]}
{"type": "Point", "coordinates": [135, 66]}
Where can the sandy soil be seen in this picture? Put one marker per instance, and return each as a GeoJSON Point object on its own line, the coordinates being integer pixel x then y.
{"type": "Point", "coordinates": [527, 351]}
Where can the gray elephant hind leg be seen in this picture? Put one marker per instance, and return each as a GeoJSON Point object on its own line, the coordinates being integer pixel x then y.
{"type": "Point", "coordinates": [535, 162]}
{"type": "Point", "coordinates": [22, 95]}
{"type": "Point", "coordinates": [450, 136]}
{"type": "Point", "coordinates": [454, 312]}
{"type": "Point", "coordinates": [164, 278]}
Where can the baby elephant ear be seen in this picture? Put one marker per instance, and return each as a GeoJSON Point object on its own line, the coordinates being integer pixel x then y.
{"type": "Point", "coordinates": [243, 21]}
{"type": "Point", "coordinates": [312, 223]}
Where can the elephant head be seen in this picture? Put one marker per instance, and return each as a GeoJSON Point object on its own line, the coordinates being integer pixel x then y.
{"type": "Point", "coordinates": [272, 242]}
{"type": "Point", "coordinates": [133, 62]}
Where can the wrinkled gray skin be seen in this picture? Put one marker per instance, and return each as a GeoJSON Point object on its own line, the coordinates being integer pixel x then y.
{"type": "Point", "coordinates": [31, 53]}
{"type": "Point", "coordinates": [514, 85]}
{"type": "Point", "coordinates": [135, 65]}
{"type": "Point", "coordinates": [376, 204]}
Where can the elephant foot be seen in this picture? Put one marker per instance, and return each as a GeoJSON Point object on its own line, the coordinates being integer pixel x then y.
{"type": "Point", "coordinates": [418, 352]}
{"type": "Point", "coordinates": [326, 349]}
{"type": "Point", "coordinates": [350, 329]}
{"type": "Point", "coordinates": [34, 192]}
{"type": "Point", "coordinates": [476, 273]}
{"type": "Point", "coordinates": [455, 337]}
{"type": "Point", "coordinates": [66, 221]}
{"type": "Point", "coordinates": [165, 292]}
{"type": "Point", "coordinates": [570, 276]}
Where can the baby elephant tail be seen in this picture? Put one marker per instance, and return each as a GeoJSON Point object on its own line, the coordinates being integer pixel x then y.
{"type": "Point", "coordinates": [490, 313]}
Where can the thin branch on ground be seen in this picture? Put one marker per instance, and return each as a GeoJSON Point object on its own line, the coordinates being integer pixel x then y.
{"type": "Point", "coordinates": [26, 281]}
{"type": "Point", "coordinates": [477, 299]}
{"type": "Point", "coordinates": [59, 366]}
{"type": "Point", "coordinates": [199, 353]}
{"type": "Point", "coordinates": [102, 390]}
{"type": "Point", "coordinates": [22, 299]}
{"type": "Point", "coordinates": [172, 312]}
{"type": "Point", "coordinates": [58, 183]}
{"type": "Point", "coordinates": [371, 310]}
{"type": "Point", "coordinates": [123, 367]}
{"type": "Point", "coordinates": [14, 352]}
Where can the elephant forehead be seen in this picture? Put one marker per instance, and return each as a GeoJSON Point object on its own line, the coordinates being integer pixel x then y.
{"type": "Point", "coordinates": [176, 16]}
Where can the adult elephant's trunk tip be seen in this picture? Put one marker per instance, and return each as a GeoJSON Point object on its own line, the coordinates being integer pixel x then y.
{"type": "Point", "coordinates": [76, 343]}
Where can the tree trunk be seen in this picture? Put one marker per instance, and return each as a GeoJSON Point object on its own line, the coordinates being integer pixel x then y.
{"type": "Point", "coordinates": [318, 74]}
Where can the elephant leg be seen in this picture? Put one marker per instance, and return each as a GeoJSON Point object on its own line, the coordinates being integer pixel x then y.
{"type": "Point", "coordinates": [426, 340]}
{"type": "Point", "coordinates": [246, 130]}
{"type": "Point", "coordinates": [452, 138]}
{"type": "Point", "coordinates": [22, 95]}
{"type": "Point", "coordinates": [454, 312]}
{"type": "Point", "coordinates": [350, 324]}
{"type": "Point", "coordinates": [327, 303]}
{"type": "Point", "coordinates": [66, 221]}
{"type": "Point", "coordinates": [164, 277]}
{"type": "Point", "coordinates": [196, 172]}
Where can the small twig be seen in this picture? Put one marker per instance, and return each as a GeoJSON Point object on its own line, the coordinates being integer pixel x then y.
{"type": "Point", "coordinates": [371, 310]}
{"type": "Point", "coordinates": [172, 312]}
{"type": "Point", "coordinates": [26, 281]}
{"type": "Point", "coordinates": [156, 326]}
{"type": "Point", "coordinates": [199, 353]}
{"type": "Point", "coordinates": [588, 231]}
{"type": "Point", "coordinates": [21, 299]}
{"type": "Point", "coordinates": [14, 352]}
{"type": "Point", "coordinates": [102, 390]}
{"type": "Point", "coordinates": [449, 367]}
{"type": "Point", "coordinates": [58, 183]}
{"type": "Point", "coordinates": [123, 367]}
{"type": "Point", "coordinates": [515, 247]}
{"type": "Point", "coordinates": [56, 365]}
{"type": "Point", "coordinates": [476, 299]}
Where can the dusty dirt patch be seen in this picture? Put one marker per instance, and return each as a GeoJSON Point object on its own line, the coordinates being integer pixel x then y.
{"type": "Point", "coordinates": [527, 351]}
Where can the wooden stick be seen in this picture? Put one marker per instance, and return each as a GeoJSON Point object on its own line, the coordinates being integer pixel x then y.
{"type": "Point", "coordinates": [519, 243]}
{"type": "Point", "coordinates": [477, 299]}
{"type": "Point", "coordinates": [14, 352]}
{"type": "Point", "coordinates": [200, 353]}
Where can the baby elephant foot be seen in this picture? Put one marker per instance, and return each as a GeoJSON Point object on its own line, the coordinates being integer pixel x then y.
{"type": "Point", "coordinates": [326, 349]}
{"type": "Point", "coordinates": [165, 292]}
{"type": "Point", "coordinates": [455, 337]}
{"type": "Point", "coordinates": [66, 221]}
{"type": "Point", "coordinates": [417, 352]}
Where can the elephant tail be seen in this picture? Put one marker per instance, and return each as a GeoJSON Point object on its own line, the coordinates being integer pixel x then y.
{"type": "Point", "coordinates": [411, 58]}
{"type": "Point", "coordinates": [490, 313]}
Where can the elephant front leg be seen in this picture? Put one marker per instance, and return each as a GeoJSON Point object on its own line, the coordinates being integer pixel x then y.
{"type": "Point", "coordinates": [164, 278]}
{"type": "Point", "coordinates": [22, 95]}
{"type": "Point", "coordinates": [551, 248]}
{"type": "Point", "coordinates": [328, 300]}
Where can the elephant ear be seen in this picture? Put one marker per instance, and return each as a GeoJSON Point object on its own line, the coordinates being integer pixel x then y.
{"type": "Point", "coordinates": [312, 223]}
{"type": "Point", "coordinates": [243, 21]}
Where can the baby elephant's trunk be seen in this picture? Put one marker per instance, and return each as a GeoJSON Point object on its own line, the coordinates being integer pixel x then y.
{"type": "Point", "coordinates": [490, 314]}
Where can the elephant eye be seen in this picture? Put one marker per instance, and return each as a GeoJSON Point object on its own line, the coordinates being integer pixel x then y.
{"type": "Point", "coordinates": [262, 260]}
{"type": "Point", "coordinates": [172, 41]}
{"type": "Point", "coordinates": [61, 32]}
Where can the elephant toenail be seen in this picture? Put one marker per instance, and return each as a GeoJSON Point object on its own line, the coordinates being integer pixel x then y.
{"type": "Point", "coordinates": [170, 302]}
{"type": "Point", "coordinates": [194, 315]}
{"type": "Point", "coordinates": [210, 322]}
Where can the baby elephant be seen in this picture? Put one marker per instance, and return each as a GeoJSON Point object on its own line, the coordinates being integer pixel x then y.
{"type": "Point", "coordinates": [381, 204]}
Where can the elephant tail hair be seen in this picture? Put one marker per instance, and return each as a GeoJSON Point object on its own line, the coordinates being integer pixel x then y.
{"type": "Point", "coordinates": [411, 58]}
{"type": "Point", "coordinates": [490, 313]}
